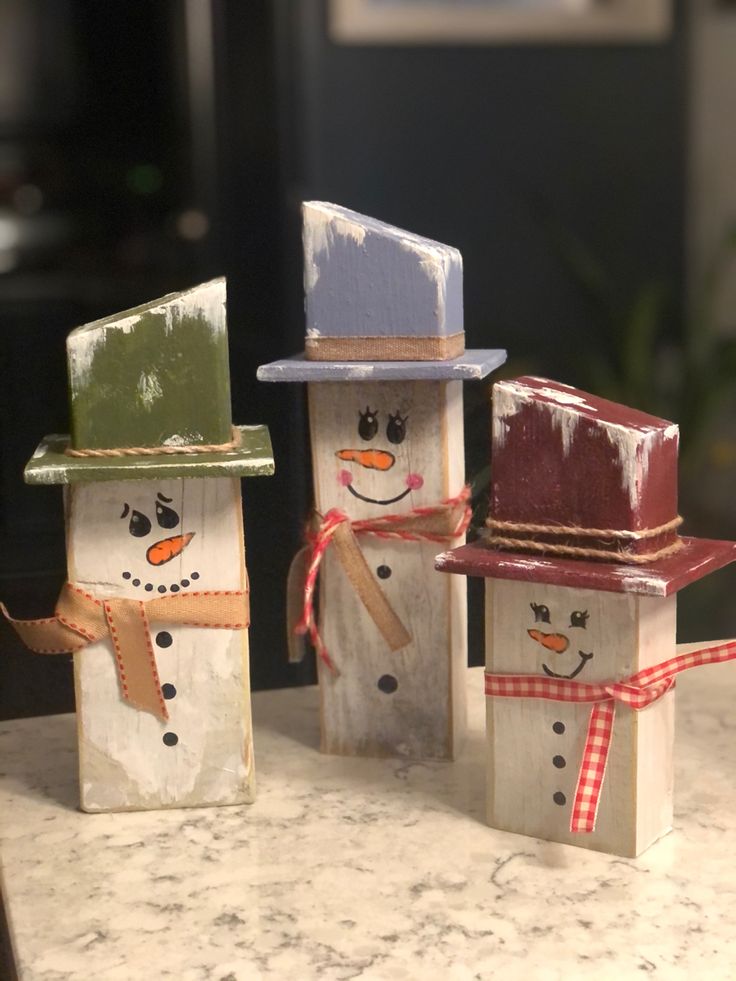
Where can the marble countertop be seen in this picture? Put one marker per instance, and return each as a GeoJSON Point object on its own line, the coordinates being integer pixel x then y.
{"type": "Point", "coordinates": [374, 869]}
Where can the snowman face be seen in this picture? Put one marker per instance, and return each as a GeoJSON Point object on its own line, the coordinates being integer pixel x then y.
{"type": "Point", "coordinates": [559, 644]}
{"type": "Point", "coordinates": [157, 527]}
{"type": "Point", "coordinates": [561, 632]}
{"type": "Point", "coordinates": [377, 446]}
{"type": "Point", "coordinates": [149, 538]}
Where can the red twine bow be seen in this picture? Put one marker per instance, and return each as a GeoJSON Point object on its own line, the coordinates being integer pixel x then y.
{"type": "Point", "coordinates": [421, 524]}
{"type": "Point", "coordinates": [638, 692]}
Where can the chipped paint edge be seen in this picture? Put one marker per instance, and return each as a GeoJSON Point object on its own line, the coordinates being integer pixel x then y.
{"type": "Point", "coordinates": [633, 444]}
{"type": "Point", "coordinates": [206, 299]}
{"type": "Point", "coordinates": [299, 369]}
{"type": "Point", "coordinates": [254, 461]}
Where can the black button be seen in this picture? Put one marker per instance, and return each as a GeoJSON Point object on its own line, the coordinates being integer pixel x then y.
{"type": "Point", "coordinates": [558, 797]}
{"type": "Point", "coordinates": [195, 575]}
{"type": "Point", "coordinates": [168, 691]}
{"type": "Point", "coordinates": [384, 571]}
{"type": "Point", "coordinates": [162, 589]}
{"type": "Point", "coordinates": [174, 587]}
{"type": "Point", "coordinates": [126, 575]}
{"type": "Point", "coordinates": [136, 582]}
{"type": "Point", "coordinates": [559, 761]}
{"type": "Point", "coordinates": [170, 738]}
{"type": "Point", "coordinates": [185, 583]}
{"type": "Point", "coordinates": [387, 684]}
{"type": "Point", "coordinates": [559, 728]}
{"type": "Point", "coordinates": [149, 587]}
{"type": "Point", "coordinates": [164, 639]}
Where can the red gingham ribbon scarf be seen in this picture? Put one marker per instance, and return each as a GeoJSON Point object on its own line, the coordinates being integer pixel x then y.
{"type": "Point", "coordinates": [638, 691]}
{"type": "Point", "coordinates": [421, 524]}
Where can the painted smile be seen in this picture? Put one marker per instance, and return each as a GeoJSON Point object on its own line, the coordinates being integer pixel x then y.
{"type": "Point", "coordinates": [413, 482]}
{"type": "Point", "coordinates": [584, 658]}
{"type": "Point", "coordinates": [373, 500]}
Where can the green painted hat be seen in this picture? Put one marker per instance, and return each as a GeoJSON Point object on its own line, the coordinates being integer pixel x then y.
{"type": "Point", "coordinates": [149, 393]}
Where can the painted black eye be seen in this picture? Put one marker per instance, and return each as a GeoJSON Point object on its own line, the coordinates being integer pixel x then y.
{"type": "Point", "coordinates": [368, 425]}
{"type": "Point", "coordinates": [166, 517]}
{"type": "Point", "coordinates": [579, 618]}
{"type": "Point", "coordinates": [396, 428]}
{"type": "Point", "coordinates": [541, 612]}
{"type": "Point", "coordinates": [139, 524]}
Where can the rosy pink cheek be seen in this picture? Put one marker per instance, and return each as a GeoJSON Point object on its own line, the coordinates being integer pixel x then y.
{"type": "Point", "coordinates": [344, 478]}
{"type": "Point", "coordinates": [414, 481]}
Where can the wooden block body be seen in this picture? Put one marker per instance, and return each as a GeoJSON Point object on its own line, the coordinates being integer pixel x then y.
{"type": "Point", "coordinates": [409, 702]}
{"type": "Point", "coordinates": [129, 759]}
{"type": "Point", "coordinates": [535, 746]}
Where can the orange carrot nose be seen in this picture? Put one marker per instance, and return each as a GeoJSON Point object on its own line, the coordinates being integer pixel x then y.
{"type": "Point", "coordinates": [372, 459]}
{"type": "Point", "coordinates": [168, 548]}
{"type": "Point", "coordinates": [553, 642]}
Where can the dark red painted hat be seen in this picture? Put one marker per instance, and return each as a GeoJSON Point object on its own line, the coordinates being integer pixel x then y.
{"type": "Point", "coordinates": [584, 493]}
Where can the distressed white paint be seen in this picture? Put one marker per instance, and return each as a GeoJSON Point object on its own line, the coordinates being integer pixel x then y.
{"type": "Point", "coordinates": [425, 716]}
{"type": "Point", "coordinates": [149, 388]}
{"type": "Point", "coordinates": [186, 440]}
{"type": "Point", "coordinates": [324, 222]}
{"type": "Point", "coordinates": [83, 343]}
{"type": "Point", "coordinates": [509, 397]}
{"type": "Point", "coordinates": [437, 263]}
{"type": "Point", "coordinates": [633, 457]}
{"type": "Point", "coordinates": [124, 763]}
{"type": "Point", "coordinates": [562, 398]}
{"type": "Point", "coordinates": [625, 633]}
{"type": "Point", "coordinates": [206, 301]}
{"type": "Point", "coordinates": [633, 443]}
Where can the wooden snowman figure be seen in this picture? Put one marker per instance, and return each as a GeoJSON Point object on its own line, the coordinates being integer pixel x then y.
{"type": "Point", "coordinates": [384, 362]}
{"type": "Point", "coordinates": [156, 604]}
{"type": "Point", "coordinates": [582, 564]}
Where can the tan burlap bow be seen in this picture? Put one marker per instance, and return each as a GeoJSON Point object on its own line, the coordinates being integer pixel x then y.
{"type": "Point", "coordinates": [80, 619]}
{"type": "Point", "coordinates": [439, 523]}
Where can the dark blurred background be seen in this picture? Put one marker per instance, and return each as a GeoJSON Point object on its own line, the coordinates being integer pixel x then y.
{"type": "Point", "coordinates": [147, 147]}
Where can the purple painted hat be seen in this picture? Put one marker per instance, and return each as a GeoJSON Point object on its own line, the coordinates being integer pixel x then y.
{"type": "Point", "coordinates": [381, 304]}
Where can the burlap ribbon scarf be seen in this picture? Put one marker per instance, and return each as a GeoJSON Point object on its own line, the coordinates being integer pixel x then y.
{"type": "Point", "coordinates": [440, 523]}
{"type": "Point", "coordinates": [80, 619]}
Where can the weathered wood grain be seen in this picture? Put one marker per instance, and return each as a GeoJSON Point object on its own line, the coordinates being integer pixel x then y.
{"type": "Point", "coordinates": [535, 746]}
{"type": "Point", "coordinates": [408, 702]}
{"type": "Point", "coordinates": [128, 759]}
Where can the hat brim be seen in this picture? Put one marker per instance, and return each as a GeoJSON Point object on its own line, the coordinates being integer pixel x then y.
{"type": "Point", "coordinates": [697, 558]}
{"type": "Point", "coordinates": [50, 465]}
{"type": "Point", "coordinates": [470, 365]}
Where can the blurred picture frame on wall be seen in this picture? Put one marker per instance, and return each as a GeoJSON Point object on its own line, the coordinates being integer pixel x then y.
{"type": "Point", "coordinates": [401, 22]}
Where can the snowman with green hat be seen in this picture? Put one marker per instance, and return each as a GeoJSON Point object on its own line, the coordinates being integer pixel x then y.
{"type": "Point", "coordinates": [155, 609]}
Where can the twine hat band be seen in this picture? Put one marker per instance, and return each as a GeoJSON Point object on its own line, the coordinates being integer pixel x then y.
{"type": "Point", "coordinates": [621, 535]}
{"type": "Point", "coordinates": [187, 449]}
